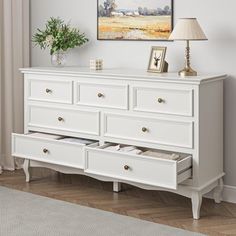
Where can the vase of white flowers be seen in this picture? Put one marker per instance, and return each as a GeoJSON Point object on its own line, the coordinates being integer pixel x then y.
{"type": "Point", "coordinates": [58, 37]}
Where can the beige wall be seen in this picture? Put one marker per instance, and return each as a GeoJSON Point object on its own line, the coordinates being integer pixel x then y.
{"type": "Point", "coordinates": [218, 55]}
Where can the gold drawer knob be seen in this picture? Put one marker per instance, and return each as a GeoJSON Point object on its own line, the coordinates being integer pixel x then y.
{"type": "Point", "coordinates": [60, 119]}
{"type": "Point", "coordinates": [126, 167]}
{"type": "Point", "coordinates": [45, 150]}
{"type": "Point", "coordinates": [144, 129]}
{"type": "Point", "coordinates": [48, 90]}
{"type": "Point", "coordinates": [161, 100]}
{"type": "Point", "coordinates": [100, 95]}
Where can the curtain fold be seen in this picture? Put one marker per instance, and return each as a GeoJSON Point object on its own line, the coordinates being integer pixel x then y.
{"type": "Point", "coordinates": [14, 54]}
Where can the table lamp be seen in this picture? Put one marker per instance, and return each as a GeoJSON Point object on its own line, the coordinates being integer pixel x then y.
{"type": "Point", "coordinates": [187, 29]}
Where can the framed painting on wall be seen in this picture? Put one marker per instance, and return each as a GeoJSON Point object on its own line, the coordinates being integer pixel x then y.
{"type": "Point", "coordinates": [134, 19]}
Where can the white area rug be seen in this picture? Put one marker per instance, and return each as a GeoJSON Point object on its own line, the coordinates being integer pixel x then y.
{"type": "Point", "coordinates": [25, 214]}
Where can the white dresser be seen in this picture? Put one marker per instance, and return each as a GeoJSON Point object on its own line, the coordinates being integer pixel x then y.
{"type": "Point", "coordinates": [154, 112]}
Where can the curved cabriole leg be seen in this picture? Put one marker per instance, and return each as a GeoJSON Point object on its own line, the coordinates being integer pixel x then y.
{"type": "Point", "coordinates": [26, 166]}
{"type": "Point", "coordinates": [116, 187]}
{"type": "Point", "coordinates": [217, 194]}
{"type": "Point", "coordinates": [196, 204]}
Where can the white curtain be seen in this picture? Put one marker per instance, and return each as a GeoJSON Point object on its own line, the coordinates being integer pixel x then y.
{"type": "Point", "coordinates": [14, 54]}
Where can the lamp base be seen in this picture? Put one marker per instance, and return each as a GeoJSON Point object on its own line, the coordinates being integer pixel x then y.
{"type": "Point", "coordinates": [187, 72]}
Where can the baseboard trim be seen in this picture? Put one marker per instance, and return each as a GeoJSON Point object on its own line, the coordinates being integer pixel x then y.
{"type": "Point", "coordinates": [229, 194]}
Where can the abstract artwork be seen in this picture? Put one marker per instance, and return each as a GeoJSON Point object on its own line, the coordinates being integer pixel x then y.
{"type": "Point", "coordinates": [134, 19]}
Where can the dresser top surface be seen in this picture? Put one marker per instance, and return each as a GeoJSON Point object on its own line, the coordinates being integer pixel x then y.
{"type": "Point", "coordinates": [132, 74]}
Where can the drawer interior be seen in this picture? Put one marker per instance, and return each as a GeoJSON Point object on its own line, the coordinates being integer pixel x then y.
{"type": "Point", "coordinates": [62, 138]}
{"type": "Point", "coordinates": [180, 158]}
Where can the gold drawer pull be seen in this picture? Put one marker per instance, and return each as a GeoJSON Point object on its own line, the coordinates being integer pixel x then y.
{"type": "Point", "coordinates": [48, 90]}
{"type": "Point", "coordinates": [161, 100]}
{"type": "Point", "coordinates": [126, 167]}
{"type": "Point", "coordinates": [100, 95]}
{"type": "Point", "coordinates": [144, 129]}
{"type": "Point", "coordinates": [45, 150]}
{"type": "Point", "coordinates": [60, 119]}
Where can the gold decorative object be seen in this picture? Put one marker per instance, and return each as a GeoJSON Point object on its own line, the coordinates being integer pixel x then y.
{"type": "Point", "coordinates": [48, 90]}
{"type": "Point", "coordinates": [144, 129]}
{"type": "Point", "coordinates": [126, 167]}
{"type": "Point", "coordinates": [100, 95]}
{"type": "Point", "coordinates": [187, 29]}
{"type": "Point", "coordinates": [60, 119]}
{"type": "Point", "coordinates": [45, 150]}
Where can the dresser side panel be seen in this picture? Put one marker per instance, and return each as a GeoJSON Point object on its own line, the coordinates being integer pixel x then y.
{"type": "Point", "coordinates": [210, 131]}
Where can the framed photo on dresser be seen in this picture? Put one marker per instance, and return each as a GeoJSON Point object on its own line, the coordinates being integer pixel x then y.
{"type": "Point", "coordinates": [157, 61]}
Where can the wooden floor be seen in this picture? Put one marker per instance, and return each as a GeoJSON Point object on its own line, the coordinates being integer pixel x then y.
{"type": "Point", "coordinates": [160, 207]}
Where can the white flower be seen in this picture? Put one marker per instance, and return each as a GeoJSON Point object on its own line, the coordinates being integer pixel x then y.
{"type": "Point", "coordinates": [49, 40]}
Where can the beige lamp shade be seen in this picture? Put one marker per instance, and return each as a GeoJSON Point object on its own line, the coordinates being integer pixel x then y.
{"type": "Point", "coordinates": [187, 29]}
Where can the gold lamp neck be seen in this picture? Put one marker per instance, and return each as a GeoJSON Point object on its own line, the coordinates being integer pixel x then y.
{"type": "Point", "coordinates": [187, 71]}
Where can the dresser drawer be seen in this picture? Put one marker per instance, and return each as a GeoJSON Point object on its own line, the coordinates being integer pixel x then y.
{"type": "Point", "coordinates": [102, 95]}
{"type": "Point", "coordinates": [51, 90]}
{"type": "Point", "coordinates": [71, 120]}
{"type": "Point", "coordinates": [137, 168]}
{"type": "Point", "coordinates": [163, 100]}
{"type": "Point", "coordinates": [48, 150]}
{"type": "Point", "coordinates": [144, 129]}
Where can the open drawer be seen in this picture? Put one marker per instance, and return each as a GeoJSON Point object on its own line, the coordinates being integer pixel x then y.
{"type": "Point", "coordinates": [45, 149]}
{"type": "Point", "coordinates": [138, 168]}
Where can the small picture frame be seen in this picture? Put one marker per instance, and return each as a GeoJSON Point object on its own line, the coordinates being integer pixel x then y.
{"type": "Point", "coordinates": [157, 63]}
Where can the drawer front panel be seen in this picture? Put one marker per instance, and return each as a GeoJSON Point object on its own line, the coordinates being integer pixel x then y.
{"type": "Point", "coordinates": [51, 151]}
{"type": "Point", "coordinates": [102, 95]}
{"type": "Point", "coordinates": [59, 91]}
{"type": "Point", "coordinates": [81, 121]}
{"type": "Point", "coordinates": [159, 131]}
{"type": "Point", "coordinates": [161, 100]}
{"type": "Point", "coordinates": [155, 172]}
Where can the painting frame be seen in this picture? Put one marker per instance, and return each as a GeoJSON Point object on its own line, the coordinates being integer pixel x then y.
{"type": "Point", "coordinates": [161, 67]}
{"type": "Point", "coordinates": [150, 40]}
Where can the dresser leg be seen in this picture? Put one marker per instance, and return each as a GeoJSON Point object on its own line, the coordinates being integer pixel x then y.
{"type": "Point", "coordinates": [217, 194]}
{"type": "Point", "coordinates": [26, 166]}
{"type": "Point", "coordinates": [196, 204]}
{"type": "Point", "coordinates": [116, 187]}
